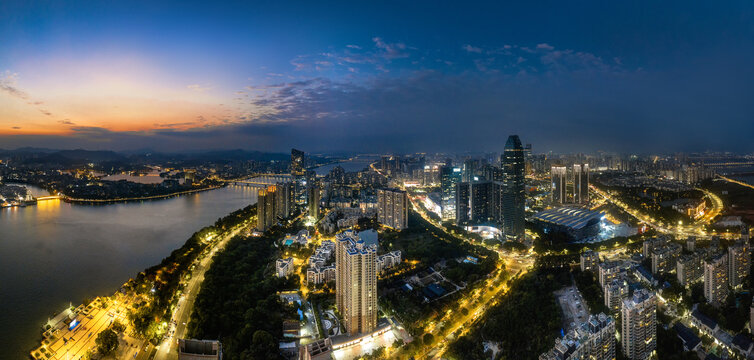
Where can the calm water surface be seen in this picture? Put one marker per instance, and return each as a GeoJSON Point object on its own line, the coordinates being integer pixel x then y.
{"type": "Point", "coordinates": [54, 253]}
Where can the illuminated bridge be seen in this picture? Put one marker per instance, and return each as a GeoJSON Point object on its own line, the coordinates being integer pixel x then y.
{"type": "Point", "coordinates": [262, 180]}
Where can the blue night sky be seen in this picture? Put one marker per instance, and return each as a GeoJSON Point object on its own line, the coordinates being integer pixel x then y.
{"type": "Point", "coordinates": [637, 76]}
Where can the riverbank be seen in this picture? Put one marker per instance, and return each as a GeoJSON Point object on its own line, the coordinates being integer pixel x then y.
{"type": "Point", "coordinates": [141, 198]}
{"type": "Point", "coordinates": [145, 301]}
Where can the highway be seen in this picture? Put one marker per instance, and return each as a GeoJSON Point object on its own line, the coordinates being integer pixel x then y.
{"type": "Point", "coordinates": [736, 182]}
{"type": "Point", "coordinates": [168, 349]}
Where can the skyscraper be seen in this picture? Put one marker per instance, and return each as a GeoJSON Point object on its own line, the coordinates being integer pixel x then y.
{"type": "Point", "coordinates": [298, 160]}
{"type": "Point", "coordinates": [273, 202]}
{"type": "Point", "coordinates": [639, 325]}
{"type": "Point", "coordinates": [716, 279]}
{"type": "Point", "coordinates": [514, 194]}
{"type": "Point", "coordinates": [356, 283]}
{"type": "Point", "coordinates": [485, 202]}
{"type": "Point", "coordinates": [313, 198]}
{"type": "Point", "coordinates": [449, 178]}
{"type": "Point", "coordinates": [558, 176]}
{"type": "Point", "coordinates": [463, 203]}
{"type": "Point", "coordinates": [392, 208]}
{"type": "Point", "coordinates": [581, 183]}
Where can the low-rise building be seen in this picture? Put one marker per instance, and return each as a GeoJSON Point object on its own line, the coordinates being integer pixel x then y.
{"type": "Point", "coordinates": [318, 350]}
{"type": "Point", "coordinates": [387, 261]}
{"type": "Point", "coordinates": [320, 275]}
{"type": "Point", "coordinates": [593, 339]}
{"type": "Point", "coordinates": [284, 267]}
{"type": "Point", "coordinates": [190, 349]}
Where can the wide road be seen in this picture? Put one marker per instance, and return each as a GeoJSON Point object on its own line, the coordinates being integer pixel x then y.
{"type": "Point", "coordinates": [168, 349]}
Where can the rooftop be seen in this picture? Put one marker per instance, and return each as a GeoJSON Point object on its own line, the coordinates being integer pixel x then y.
{"type": "Point", "coordinates": [572, 217]}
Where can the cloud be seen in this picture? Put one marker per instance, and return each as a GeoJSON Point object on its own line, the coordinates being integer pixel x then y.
{"type": "Point", "coordinates": [390, 50]}
{"type": "Point", "coordinates": [350, 46]}
{"type": "Point", "coordinates": [8, 82]}
{"type": "Point", "coordinates": [65, 122]}
{"type": "Point", "coordinates": [545, 46]}
{"type": "Point", "coordinates": [198, 88]}
{"type": "Point", "coordinates": [472, 49]}
{"type": "Point", "coordinates": [16, 127]}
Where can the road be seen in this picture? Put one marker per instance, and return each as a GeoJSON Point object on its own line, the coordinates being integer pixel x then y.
{"type": "Point", "coordinates": [168, 349]}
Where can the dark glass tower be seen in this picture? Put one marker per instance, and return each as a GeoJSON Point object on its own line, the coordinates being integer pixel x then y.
{"type": "Point", "coordinates": [514, 196]}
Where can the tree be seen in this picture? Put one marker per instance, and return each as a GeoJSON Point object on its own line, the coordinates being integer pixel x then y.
{"type": "Point", "coordinates": [263, 346]}
{"type": "Point", "coordinates": [428, 339]}
{"type": "Point", "coordinates": [107, 342]}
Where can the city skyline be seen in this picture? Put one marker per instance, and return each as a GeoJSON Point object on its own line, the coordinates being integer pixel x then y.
{"type": "Point", "coordinates": [362, 78]}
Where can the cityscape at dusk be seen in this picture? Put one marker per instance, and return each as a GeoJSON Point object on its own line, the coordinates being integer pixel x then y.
{"type": "Point", "coordinates": [376, 180]}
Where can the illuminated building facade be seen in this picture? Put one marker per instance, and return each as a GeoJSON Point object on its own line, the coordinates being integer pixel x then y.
{"type": "Point", "coordinates": [514, 193]}
{"type": "Point", "coordinates": [639, 325]}
{"type": "Point", "coordinates": [356, 284]}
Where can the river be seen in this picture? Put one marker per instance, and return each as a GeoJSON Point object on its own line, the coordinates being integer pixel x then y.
{"type": "Point", "coordinates": [54, 252]}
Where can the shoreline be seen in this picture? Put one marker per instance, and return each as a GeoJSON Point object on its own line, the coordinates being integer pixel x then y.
{"type": "Point", "coordinates": [140, 198]}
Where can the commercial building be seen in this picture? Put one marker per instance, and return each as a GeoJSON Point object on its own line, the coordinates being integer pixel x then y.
{"type": "Point", "coordinates": [716, 279]}
{"type": "Point", "coordinates": [356, 284]}
{"type": "Point", "coordinates": [284, 267]}
{"type": "Point", "coordinates": [558, 175]}
{"type": "Point", "coordinates": [514, 193]}
{"type": "Point", "coordinates": [392, 208]}
{"type": "Point", "coordinates": [449, 179]}
{"type": "Point", "coordinates": [485, 202]}
{"type": "Point", "coordinates": [298, 163]}
{"type": "Point", "coordinates": [581, 184]}
{"type": "Point", "coordinates": [739, 263]}
{"type": "Point", "coordinates": [463, 203]}
{"type": "Point", "coordinates": [589, 260]}
{"type": "Point", "coordinates": [593, 339]}
{"type": "Point", "coordinates": [575, 222]}
{"type": "Point", "coordinates": [190, 349]}
{"type": "Point", "coordinates": [664, 258]}
{"type": "Point", "coordinates": [639, 325]}
{"type": "Point", "coordinates": [689, 268]}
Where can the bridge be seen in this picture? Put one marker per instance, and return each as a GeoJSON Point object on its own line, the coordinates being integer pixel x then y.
{"type": "Point", "coordinates": [51, 197]}
{"type": "Point", "coordinates": [261, 180]}
{"type": "Point", "coordinates": [736, 181]}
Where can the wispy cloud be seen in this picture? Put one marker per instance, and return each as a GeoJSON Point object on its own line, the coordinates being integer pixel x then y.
{"type": "Point", "coordinates": [199, 88]}
{"type": "Point", "coordinates": [8, 85]}
{"type": "Point", "coordinates": [472, 49]}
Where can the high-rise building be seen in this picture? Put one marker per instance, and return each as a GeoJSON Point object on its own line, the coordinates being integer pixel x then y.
{"type": "Point", "coordinates": [664, 258]}
{"type": "Point", "coordinates": [356, 283]}
{"type": "Point", "coordinates": [313, 199]}
{"type": "Point", "coordinates": [449, 179]}
{"type": "Point", "coordinates": [558, 176]}
{"type": "Point", "coordinates": [485, 202]}
{"type": "Point", "coordinates": [639, 325]}
{"type": "Point", "coordinates": [470, 170]}
{"type": "Point", "coordinates": [298, 163]}
{"type": "Point", "coordinates": [589, 261]}
{"type": "Point", "coordinates": [581, 183]}
{"type": "Point", "coordinates": [273, 202]}
{"type": "Point", "coordinates": [514, 193]}
{"type": "Point", "coordinates": [463, 203]}
{"type": "Point", "coordinates": [608, 271]}
{"type": "Point", "coordinates": [614, 293]}
{"type": "Point", "coordinates": [392, 208]}
{"type": "Point", "coordinates": [739, 263]}
{"type": "Point", "coordinates": [651, 244]}
{"type": "Point", "coordinates": [689, 268]}
{"type": "Point", "coordinates": [716, 279]}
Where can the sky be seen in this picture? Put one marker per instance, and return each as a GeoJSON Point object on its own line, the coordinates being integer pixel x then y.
{"type": "Point", "coordinates": [385, 76]}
